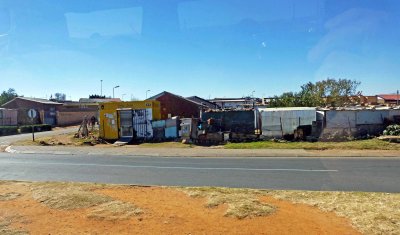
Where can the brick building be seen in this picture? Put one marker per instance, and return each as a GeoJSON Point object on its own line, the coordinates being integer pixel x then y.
{"type": "Point", "coordinates": [174, 105]}
{"type": "Point", "coordinates": [46, 109]}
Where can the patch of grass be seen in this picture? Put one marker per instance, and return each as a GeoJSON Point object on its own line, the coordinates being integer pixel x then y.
{"type": "Point", "coordinates": [68, 196]}
{"type": "Point", "coordinates": [9, 196]}
{"type": "Point", "coordinates": [242, 203]}
{"type": "Point", "coordinates": [67, 140]}
{"type": "Point", "coordinates": [115, 210]}
{"type": "Point", "coordinates": [166, 145]}
{"type": "Point", "coordinates": [370, 213]}
{"type": "Point", "coordinates": [371, 144]}
{"type": "Point", "coordinates": [6, 230]}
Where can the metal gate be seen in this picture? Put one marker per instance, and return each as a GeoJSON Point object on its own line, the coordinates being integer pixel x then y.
{"type": "Point", "coordinates": [142, 123]}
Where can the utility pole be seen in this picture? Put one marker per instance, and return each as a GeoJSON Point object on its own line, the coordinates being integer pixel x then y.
{"type": "Point", "coordinates": [397, 102]}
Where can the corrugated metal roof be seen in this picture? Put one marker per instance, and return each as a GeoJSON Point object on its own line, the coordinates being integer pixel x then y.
{"type": "Point", "coordinates": [37, 100]}
{"type": "Point", "coordinates": [202, 101]}
{"type": "Point", "coordinates": [389, 97]}
{"type": "Point", "coordinates": [230, 100]}
{"type": "Point", "coordinates": [178, 96]}
{"type": "Point", "coordinates": [87, 100]}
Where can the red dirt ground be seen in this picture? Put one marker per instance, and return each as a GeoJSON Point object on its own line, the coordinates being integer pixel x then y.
{"type": "Point", "coordinates": [166, 211]}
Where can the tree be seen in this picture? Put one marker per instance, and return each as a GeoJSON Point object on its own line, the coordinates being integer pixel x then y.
{"type": "Point", "coordinates": [288, 99]}
{"type": "Point", "coordinates": [7, 96]}
{"type": "Point", "coordinates": [60, 97]}
{"type": "Point", "coordinates": [97, 96]}
{"type": "Point", "coordinates": [329, 92]}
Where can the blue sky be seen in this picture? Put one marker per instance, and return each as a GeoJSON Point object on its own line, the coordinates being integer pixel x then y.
{"type": "Point", "coordinates": [209, 48]}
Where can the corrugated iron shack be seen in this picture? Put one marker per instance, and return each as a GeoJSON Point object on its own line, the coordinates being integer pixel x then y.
{"type": "Point", "coordinates": [128, 119]}
{"type": "Point", "coordinates": [337, 124]}
{"type": "Point", "coordinates": [241, 124]}
{"type": "Point", "coordinates": [282, 122]}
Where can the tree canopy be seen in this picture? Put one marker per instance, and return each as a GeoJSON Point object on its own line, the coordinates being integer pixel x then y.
{"type": "Point", "coordinates": [329, 92]}
{"type": "Point", "coordinates": [60, 96]}
{"type": "Point", "coordinates": [7, 96]}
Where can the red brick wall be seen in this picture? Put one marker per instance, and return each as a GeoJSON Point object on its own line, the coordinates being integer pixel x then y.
{"type": "Point", "coordinates": [73, 118]}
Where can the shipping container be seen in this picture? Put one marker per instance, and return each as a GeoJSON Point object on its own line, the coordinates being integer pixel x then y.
{"type": "Point", "coordinates": [279, 122]}
{"type": "Point", "coordinates": [110, 119]}
{"type": "Point", "coordinates": [135, 124]}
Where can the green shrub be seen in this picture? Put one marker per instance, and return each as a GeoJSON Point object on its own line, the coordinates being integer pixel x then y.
{"type": "Point", "coordinates": [38, 128]}
{"type": "Point", "coordinates": [393, 130]}
{"type": "Point", "coordinates": [8, 130]}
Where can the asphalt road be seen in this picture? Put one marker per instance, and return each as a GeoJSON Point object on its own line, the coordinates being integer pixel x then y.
{"type": "Point", "coordinates": [344, 174]}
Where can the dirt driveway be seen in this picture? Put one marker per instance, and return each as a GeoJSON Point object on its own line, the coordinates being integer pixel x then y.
{"type": "Point", "coordinates": [39, 208]}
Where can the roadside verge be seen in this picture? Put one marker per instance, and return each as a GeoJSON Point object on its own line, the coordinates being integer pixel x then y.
{"type": "Point", "coordinates": [196, 152]}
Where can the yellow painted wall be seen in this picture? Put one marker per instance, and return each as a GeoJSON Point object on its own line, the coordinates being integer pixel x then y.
{"type": "Point", "coordinates": [108, 117]}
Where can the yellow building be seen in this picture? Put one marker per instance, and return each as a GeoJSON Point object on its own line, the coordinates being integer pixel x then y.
{"type": "Point", "coordinates": [114, 122]}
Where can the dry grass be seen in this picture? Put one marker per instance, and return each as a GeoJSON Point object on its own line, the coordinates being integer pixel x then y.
{"type": "Point", "coordinates": [242, 203]}
{"type": "Point", "coordinates": [166, 145]}
{"type": "Point", "coordinates": [115, 210]}
{"type": "Point", "coordinates": [63, 139]}
{"type": "Point", "coordinates": [6, 230]}
{"type": "Point", "coordinates": [9, 196]}
{"type": "Point", "coordinates": [2, 148]}
{"type": "Point", "coordinates": [60, 140]}
{"type": "Point", "coordinates": [370, 213]}
{"type": "Point", "coordinates": [68, 196]}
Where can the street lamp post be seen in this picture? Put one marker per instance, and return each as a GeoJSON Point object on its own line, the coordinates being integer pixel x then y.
{"type": "Point", "coordinates": [123, 95]}
{"type": "Point", "coordinates": [252, 97]}
{"type": "Point", "coordinates": [146, 93]}
{"type": "Point", "coordinates": [114, 90]}
{"type": "Point", "coordinates": [101, 87]}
